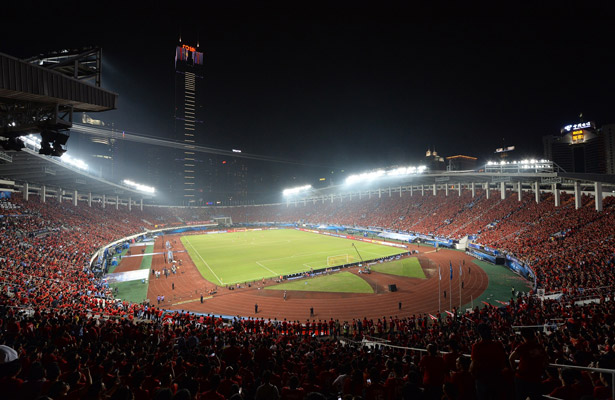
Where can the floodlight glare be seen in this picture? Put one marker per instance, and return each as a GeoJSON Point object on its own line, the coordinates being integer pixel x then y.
{"type": "Point", "coordinates": [396, 172]}
{"type": "Point", "coordinates": [80, 164]}
{"type": "Point", "coordinates": [296, 190]}
{"type": "Point", "coordinates": [138, 186]}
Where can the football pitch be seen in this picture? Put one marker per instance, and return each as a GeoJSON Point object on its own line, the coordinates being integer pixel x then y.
{"type": "Point", "coordinates": [229, 258]}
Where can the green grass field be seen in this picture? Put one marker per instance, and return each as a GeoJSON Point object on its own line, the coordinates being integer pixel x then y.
{"type": "Point", "coordinates": [409, 267]}
{"type": "Point", "coordinates": [341, 282]}
{"type": "Point", "coordinates": [230, 258]}
{"type": "Point", "coordinates": [501, 281]}
{"type": "Point", "coordinates": [134, 291]}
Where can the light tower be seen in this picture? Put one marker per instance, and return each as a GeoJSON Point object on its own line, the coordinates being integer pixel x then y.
{"type": "Point", "coordinates": [189, 73]}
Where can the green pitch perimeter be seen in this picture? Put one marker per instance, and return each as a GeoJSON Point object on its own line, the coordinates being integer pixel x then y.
{"type": "Point", "coordinates": [342, 282]}
{"type": "Point", "coordinates": [409, 267]}
{"type": "Point", "coordinates": [228, 258]}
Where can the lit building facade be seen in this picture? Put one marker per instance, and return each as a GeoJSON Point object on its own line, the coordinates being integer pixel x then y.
{"type": "Point", "coordinates": [608, 134]}
{"type": "Point", "coordinates": [102, 154]}
{"type": "Point", "coordinates": [578, 148]}
{"type": "Point", "coordinates": [461, 163]}
{"type": "Point", "coordinates": [433, 161]}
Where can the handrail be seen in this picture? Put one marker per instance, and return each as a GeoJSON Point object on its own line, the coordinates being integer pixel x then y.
{"type": "Point", "coordinates": [591, 369]}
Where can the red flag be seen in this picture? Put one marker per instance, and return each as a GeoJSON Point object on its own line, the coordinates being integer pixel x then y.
{"type": "Point", "coordinates": [484, 302]}
{"type": "Point", "coordinates": [432, 317]}
{"type": "Point", "coordinates": [502, 302]}
{"type": "Point", "coordinates": [449, 313]}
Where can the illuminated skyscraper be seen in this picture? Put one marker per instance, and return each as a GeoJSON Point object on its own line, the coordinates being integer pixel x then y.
{"type": "Point", "coordinates": [189, 73]}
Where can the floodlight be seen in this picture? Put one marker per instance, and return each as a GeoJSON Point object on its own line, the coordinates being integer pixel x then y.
{"type": "Point", "coordinates": [296, 190]}
{"type": "Point", "coordinates": [396, 172]}
{"type": "Point", "coordinates": [139, 186]}
{"type": "Point", "coordinates": [74, 162]}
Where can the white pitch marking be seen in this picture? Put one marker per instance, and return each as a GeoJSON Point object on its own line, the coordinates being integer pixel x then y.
{"type": "Point", "coordinates": [207, 265]}
{"type": "Point", "coordinates": [273, 272]}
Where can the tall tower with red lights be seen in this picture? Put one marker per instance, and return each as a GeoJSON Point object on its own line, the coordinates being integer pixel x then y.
{"type": "Point", "coordinates": [189, 77]}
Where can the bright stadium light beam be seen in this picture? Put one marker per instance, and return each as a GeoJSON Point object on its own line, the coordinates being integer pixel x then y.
{"type": "Point", "coordinates": [80, 164]}
{"type": "Point", "coordinates": [138, 186]}
{"type": "Point", "coordinates": [34, 143]}
{"type": "Point", "coordinates": [395, 172]}
{"type": "Point", "coordinates": [296, 190]}
{"type": "Point", "coordinates": [366, 176]}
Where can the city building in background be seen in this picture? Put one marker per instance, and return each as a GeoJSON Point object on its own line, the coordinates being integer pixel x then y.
{"type": "Point", "coordinates": [232, 181]}
{"type": "Point", "coordinates": [189, 178]}
{"type": "Point", "coordinates": [433, 161]}
{"type": "Point", "coordinates": [461, 163]}
{"type": "Point", "coordinates": [503, 153]}
{"type": "Point", "coordinates": [103, 155]}
{"type": "Point", "coordinates": [579, 147]}
{"type": "Point", "coordinates": [608, 134]}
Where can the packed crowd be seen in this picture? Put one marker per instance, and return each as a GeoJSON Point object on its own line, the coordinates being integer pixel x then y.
{"type": "Point", "coordinates": [65, 337]}
{"type": "Point", "coordinates": [65, 354]}
{"type": "Point", "coordinates": [46, 250]}
{"type": "Point", "coordinates": [568, 248]}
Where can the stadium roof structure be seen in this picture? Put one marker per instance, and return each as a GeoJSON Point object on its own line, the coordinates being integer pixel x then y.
{"type": "Point", "coordinates": [40, 95]}
{"type": "Point", "coordinates": [23, 80]}
{"type": "Point", "coordinates": [27, 166]}
{"type": "Point", "coordinates": [509, 178]}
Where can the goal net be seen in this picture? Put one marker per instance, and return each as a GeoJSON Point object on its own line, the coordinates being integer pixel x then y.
{"type": "Point", "coordinates": [339, 259]}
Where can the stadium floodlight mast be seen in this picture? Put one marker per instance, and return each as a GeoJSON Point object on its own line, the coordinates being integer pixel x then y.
{"type": "Point", "coordinates": [531, 162]}
{"type": "Point", "coordinates": [138, 186]}
{"type": "Point", "coordinates": [377, 174]}
{"type": "Point", "coordinates": [521, 166]}
{"type": "Point", "coordinates": [296, 190]}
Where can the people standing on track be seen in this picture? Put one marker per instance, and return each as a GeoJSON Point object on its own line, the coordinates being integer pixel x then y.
{"type": "Point", "coordinates": [311, 311]}
{"type": "Point", "coordinates": [255, 308]}
{"type": "Point", "coordinates": [285, 295]}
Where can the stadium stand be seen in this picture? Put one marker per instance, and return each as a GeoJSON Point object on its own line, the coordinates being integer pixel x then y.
{"type": "Point", "coordinates": [65, 337]}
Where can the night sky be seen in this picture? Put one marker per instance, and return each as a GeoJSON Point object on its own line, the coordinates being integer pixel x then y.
{"type": "Point", "coordinates": [350, 87]}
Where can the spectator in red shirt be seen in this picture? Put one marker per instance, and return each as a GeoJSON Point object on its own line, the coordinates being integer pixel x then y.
{"type": "Point", "coordinates": [463, 379]}
{"type": "Point", "coordinates": [567, 391]}
{"type": "Point", "coordinates": [433, 369]}
{"type": "Point", "coordinates": [212, 393]}
{"type": "Point", "coordinates": [293, 391]}
{"type": "Point", "coordinates": [488, 362]}
{"type": "Point", "coordinates": [375, 389]}
{"type": "Point", "coordinates": [532, 359]}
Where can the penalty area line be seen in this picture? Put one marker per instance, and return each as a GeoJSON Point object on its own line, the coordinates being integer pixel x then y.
{"type": "Point", "coordinates": [207, 265]}
{"type": "Point", "coordinates": [273, 272]}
